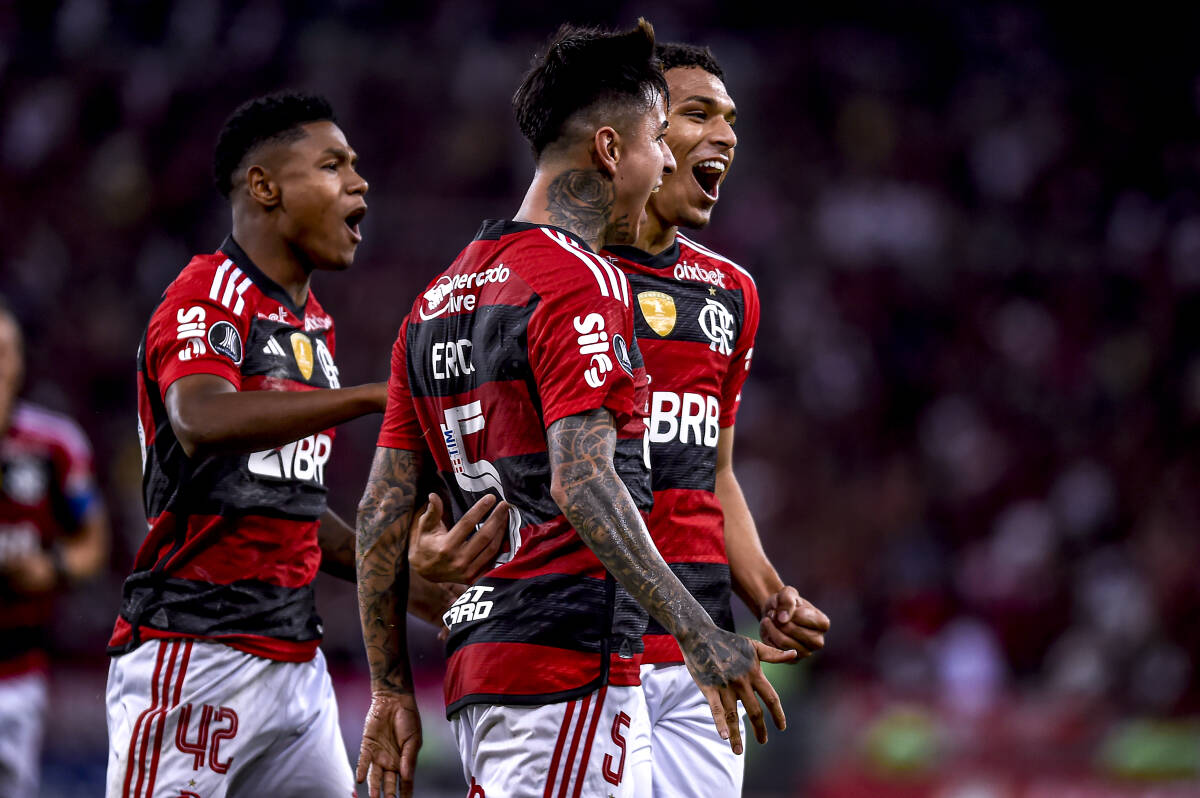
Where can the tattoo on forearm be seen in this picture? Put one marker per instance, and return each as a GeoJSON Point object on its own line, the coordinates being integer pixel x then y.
{"type": "Point", "coordinates": [581, 200]}
{"type": "Point", "coordinates": [382, 562]}
{"type": "Point", "coordinates": [600, 508]}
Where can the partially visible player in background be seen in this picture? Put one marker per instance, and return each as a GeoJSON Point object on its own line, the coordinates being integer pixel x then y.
{"type": "Point", "coordinates": [696, 315]}
{"type": "Point", "coordinates": [53, 534]}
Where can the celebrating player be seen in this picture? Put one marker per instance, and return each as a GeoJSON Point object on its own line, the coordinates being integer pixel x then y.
{"type": "Point", "coordinates": [696, 318]}
{"type": "Point", "coordinates": [217, 685]}
{"type": "Point", "coordinates": [519, 363]}
{"type": "Point", "coordinates": [53, 533]}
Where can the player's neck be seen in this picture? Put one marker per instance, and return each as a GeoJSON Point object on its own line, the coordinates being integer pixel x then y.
{"type": "Point", "coordinates": [655, 235]}
{"type": "Point", "coordinates": [274, 258]}
{"type": "Point", "coordinates": [556, 196]}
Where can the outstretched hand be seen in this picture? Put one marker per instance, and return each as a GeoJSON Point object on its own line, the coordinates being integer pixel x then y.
{"type": "Point", "coordinates": [391, 739]}
{"type": "Point", "coordinates": [792, 622]}
{"type": "Point", "coordinates": [462, 553]}
{"type": "Point", "coordinates": [726, 668]}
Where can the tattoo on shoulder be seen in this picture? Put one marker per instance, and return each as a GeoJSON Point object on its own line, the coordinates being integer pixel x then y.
{"type": "Point", "coordinates": [581, 200]}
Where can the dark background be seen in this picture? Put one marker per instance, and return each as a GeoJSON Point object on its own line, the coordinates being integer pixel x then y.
{"type": "Point", "coordinates": [970, 431]}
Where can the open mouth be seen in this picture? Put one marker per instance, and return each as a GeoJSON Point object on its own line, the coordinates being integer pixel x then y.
{"type": "Point", "coordinates": [708, 175]}
{"type": "Point", "coordinates": [352, 221]}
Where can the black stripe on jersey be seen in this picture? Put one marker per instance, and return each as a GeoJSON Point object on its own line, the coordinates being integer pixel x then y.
{"type": "Point", "coordinates": [709, 583]}
{"type": "Point", "coordinates": [280, 360]}
{"type": "Point", "coordinates": [245, 607]}
{"type": "Point", "coordinates": [558, 610]}
{"type": "Point", "coordinates": [498, 349]}
{"type": "Point", "coordinates": [683, 466]}
{"type": "Point", "coordinates": [629, 461]}
{"type": "Point", "coordinates": [690, 299]}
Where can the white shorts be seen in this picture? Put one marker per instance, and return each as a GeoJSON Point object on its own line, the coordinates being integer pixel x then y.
{"type": "Point", "coordinates": [690, 758]}
{"type": "Point", "coordinates": [195, 719]}
{"type": "Point", "coordinates": [594, 747]}
{"type": "Point", "coordinates": [22, 713]}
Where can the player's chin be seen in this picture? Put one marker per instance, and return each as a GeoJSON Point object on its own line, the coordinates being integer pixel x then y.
{"type": "Point", "coordinates": [698, 217]}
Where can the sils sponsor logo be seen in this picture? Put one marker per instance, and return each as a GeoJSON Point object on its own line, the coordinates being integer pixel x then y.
{"type": "Point", "coordinates": [690, 271]}
{"type": "Point", "coordinates": [190, 329]}
{"type": "Point", "coordinates": [658, 309]}
{"type": "Point", "coordinates": [445, 297]}
{"type": "Point", "coordinates": [302, 460]}
{"type": "Point", "coordinates": [593, 343]}
{"type": "Point", "coordinates": [688, 418]}
{"type": "Point", "coordinates": [469, 607]}
{"type": "Point", "coordinates": [716, 322]}
{"type": "Point", "coordinates": [225, 340]}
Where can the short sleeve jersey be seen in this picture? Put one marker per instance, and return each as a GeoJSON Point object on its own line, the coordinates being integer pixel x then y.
{"type": "Point", "coordinates": [528, 326]}
{"type": "Point", "coordinates": [231, 550]}
{"type": "Point", "coordinates": [47, 488]}
{"type": "Point", "coordinates": [696, 315]}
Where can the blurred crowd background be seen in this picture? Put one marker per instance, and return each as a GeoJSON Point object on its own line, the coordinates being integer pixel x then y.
{"type": "Point", "coordinates": [970, 434]}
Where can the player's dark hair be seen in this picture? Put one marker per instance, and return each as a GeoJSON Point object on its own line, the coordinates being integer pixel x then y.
{"type": "Point", "coordinates": [585, 68]}
{"type": "Point", "coordinates": [673, 56]}
{"type": "Point", "coordinates": [272, 117]}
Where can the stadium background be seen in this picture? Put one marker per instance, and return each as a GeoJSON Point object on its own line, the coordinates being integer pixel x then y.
{"type": "Point", "coordinates": [970, 432]}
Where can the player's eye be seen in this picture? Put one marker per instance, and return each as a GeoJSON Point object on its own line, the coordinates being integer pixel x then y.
{"type": "Point", "coordinates": [700, 115]}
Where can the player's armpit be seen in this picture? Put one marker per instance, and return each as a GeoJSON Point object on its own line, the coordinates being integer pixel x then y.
{"type": "Point", "coordinates": [209, 415]}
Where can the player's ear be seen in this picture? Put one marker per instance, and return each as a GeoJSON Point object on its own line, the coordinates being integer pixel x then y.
{"type": "Point", "coordinates": [262, 188]}
{"type": "Point", "coordinates": [607, 151]}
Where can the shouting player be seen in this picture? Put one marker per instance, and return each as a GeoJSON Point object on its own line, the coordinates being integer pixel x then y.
{"type": "Point", "coordinates": [696, 317]}
{"type": "Point", "coordinates": [217, 685]}
{"type": "Point", "coordinates": [519, 366]}
{"type": "Point", "coordinates": [53, 533]}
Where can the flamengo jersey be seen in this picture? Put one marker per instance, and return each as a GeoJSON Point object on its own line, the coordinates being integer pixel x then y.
{"type": "Point", "coordinates": [232, 548]}
{"type": "Point", "coordinates": [528, 326]}
{"type": "Point", "coordinates": [46, 489]}
{"type": "Point", "coordinates": [697, 314]}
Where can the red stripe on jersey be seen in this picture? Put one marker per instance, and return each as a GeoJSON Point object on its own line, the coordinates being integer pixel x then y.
{"type": "Point", "coordinates": [660, 649]}
{"type": "Point", "coordinates": [272, 550]}
{"type": "Point", "coordinates": [512, 428]}
{"type": "Point", "coordinates": [483, 668]}
{"type": "Point", "coordinates": [266, 647]}
{"type": "Point", "coordinates": [28, 662]}
{"type": "Point", "coordinates": [567, 768]}
{"type": "Point", "coordinates": [162, 718]}
{"type": "Point", "coordinates": [697, 511]}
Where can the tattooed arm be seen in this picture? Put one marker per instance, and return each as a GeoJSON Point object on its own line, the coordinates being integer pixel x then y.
{"type": "Point", "coordinates": [392, 732]}
{"type": "Point", "coordinates": [596, 502]}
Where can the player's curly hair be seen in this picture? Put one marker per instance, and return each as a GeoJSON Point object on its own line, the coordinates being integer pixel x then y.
{"type": "Point", "coordinates": [674, 55]}
{"type": "Point", "coordinates": [272, 117]}
{"type": "Point", "coordinates": [584, 69]}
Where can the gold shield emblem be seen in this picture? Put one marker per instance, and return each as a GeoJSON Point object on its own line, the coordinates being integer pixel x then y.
{"type": "Point", "coordinates": [659, 310]}
{"type": "Point", "coordinates": [302, 349]}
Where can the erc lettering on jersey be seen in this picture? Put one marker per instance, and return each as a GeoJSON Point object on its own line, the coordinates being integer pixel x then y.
{"type": "Point", "coordinates": [301, 460]}
{"type": "Point", "coordinates": [716, 322]}
{"type": "Point", "coordinates": [443, 298]}
{"type": "Point", "coordinates": [469, 607]}
{"type": "Point", "coordinates": [659, 311]}
{"type": "Point", "coordinates": [451, 359]}
{"type": "Point", "coordinates": [689, 418]}
{"type": "Point", "coordinates": [690, 271]}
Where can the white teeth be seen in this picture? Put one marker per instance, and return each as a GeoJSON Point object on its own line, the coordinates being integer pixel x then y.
{"type": "Point", "coordinates": [714, 164]}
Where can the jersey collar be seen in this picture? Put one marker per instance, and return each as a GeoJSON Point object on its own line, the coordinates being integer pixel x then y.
{"type": "Point", "coordinates": [265, 284]}
{"type": "Point", "coordinates": [493, 229]}
{"type": "Point", "coordinates": [663, 260]}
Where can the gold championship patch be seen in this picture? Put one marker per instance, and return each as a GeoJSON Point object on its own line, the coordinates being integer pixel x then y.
{"type": "Point", "coordinates": [659, 310]}
{"type": "Point", "coordinates": [302, 349]}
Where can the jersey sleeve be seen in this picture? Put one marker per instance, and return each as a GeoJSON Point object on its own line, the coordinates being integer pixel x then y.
{"type": "Point", "coordinates": [401, 428]}
{"type": "Point", "coordinates": [74, 472]}
{"type": "Point", "coordinates": [579, 341]}
{"type": "Point", "coordinates": [739, 360]}
{"type": "Point", "coordinates": [190, 333]}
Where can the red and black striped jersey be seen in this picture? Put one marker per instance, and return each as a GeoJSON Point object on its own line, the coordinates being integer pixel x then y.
{"type": "Point", "coordinates": [232, 548]}
{"type": "Point", "coordinates": [528, 326]}
{"type": "Point", "coordinates": [46, 489]}
{"type": "Point", "coordinates": [696, 317]}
